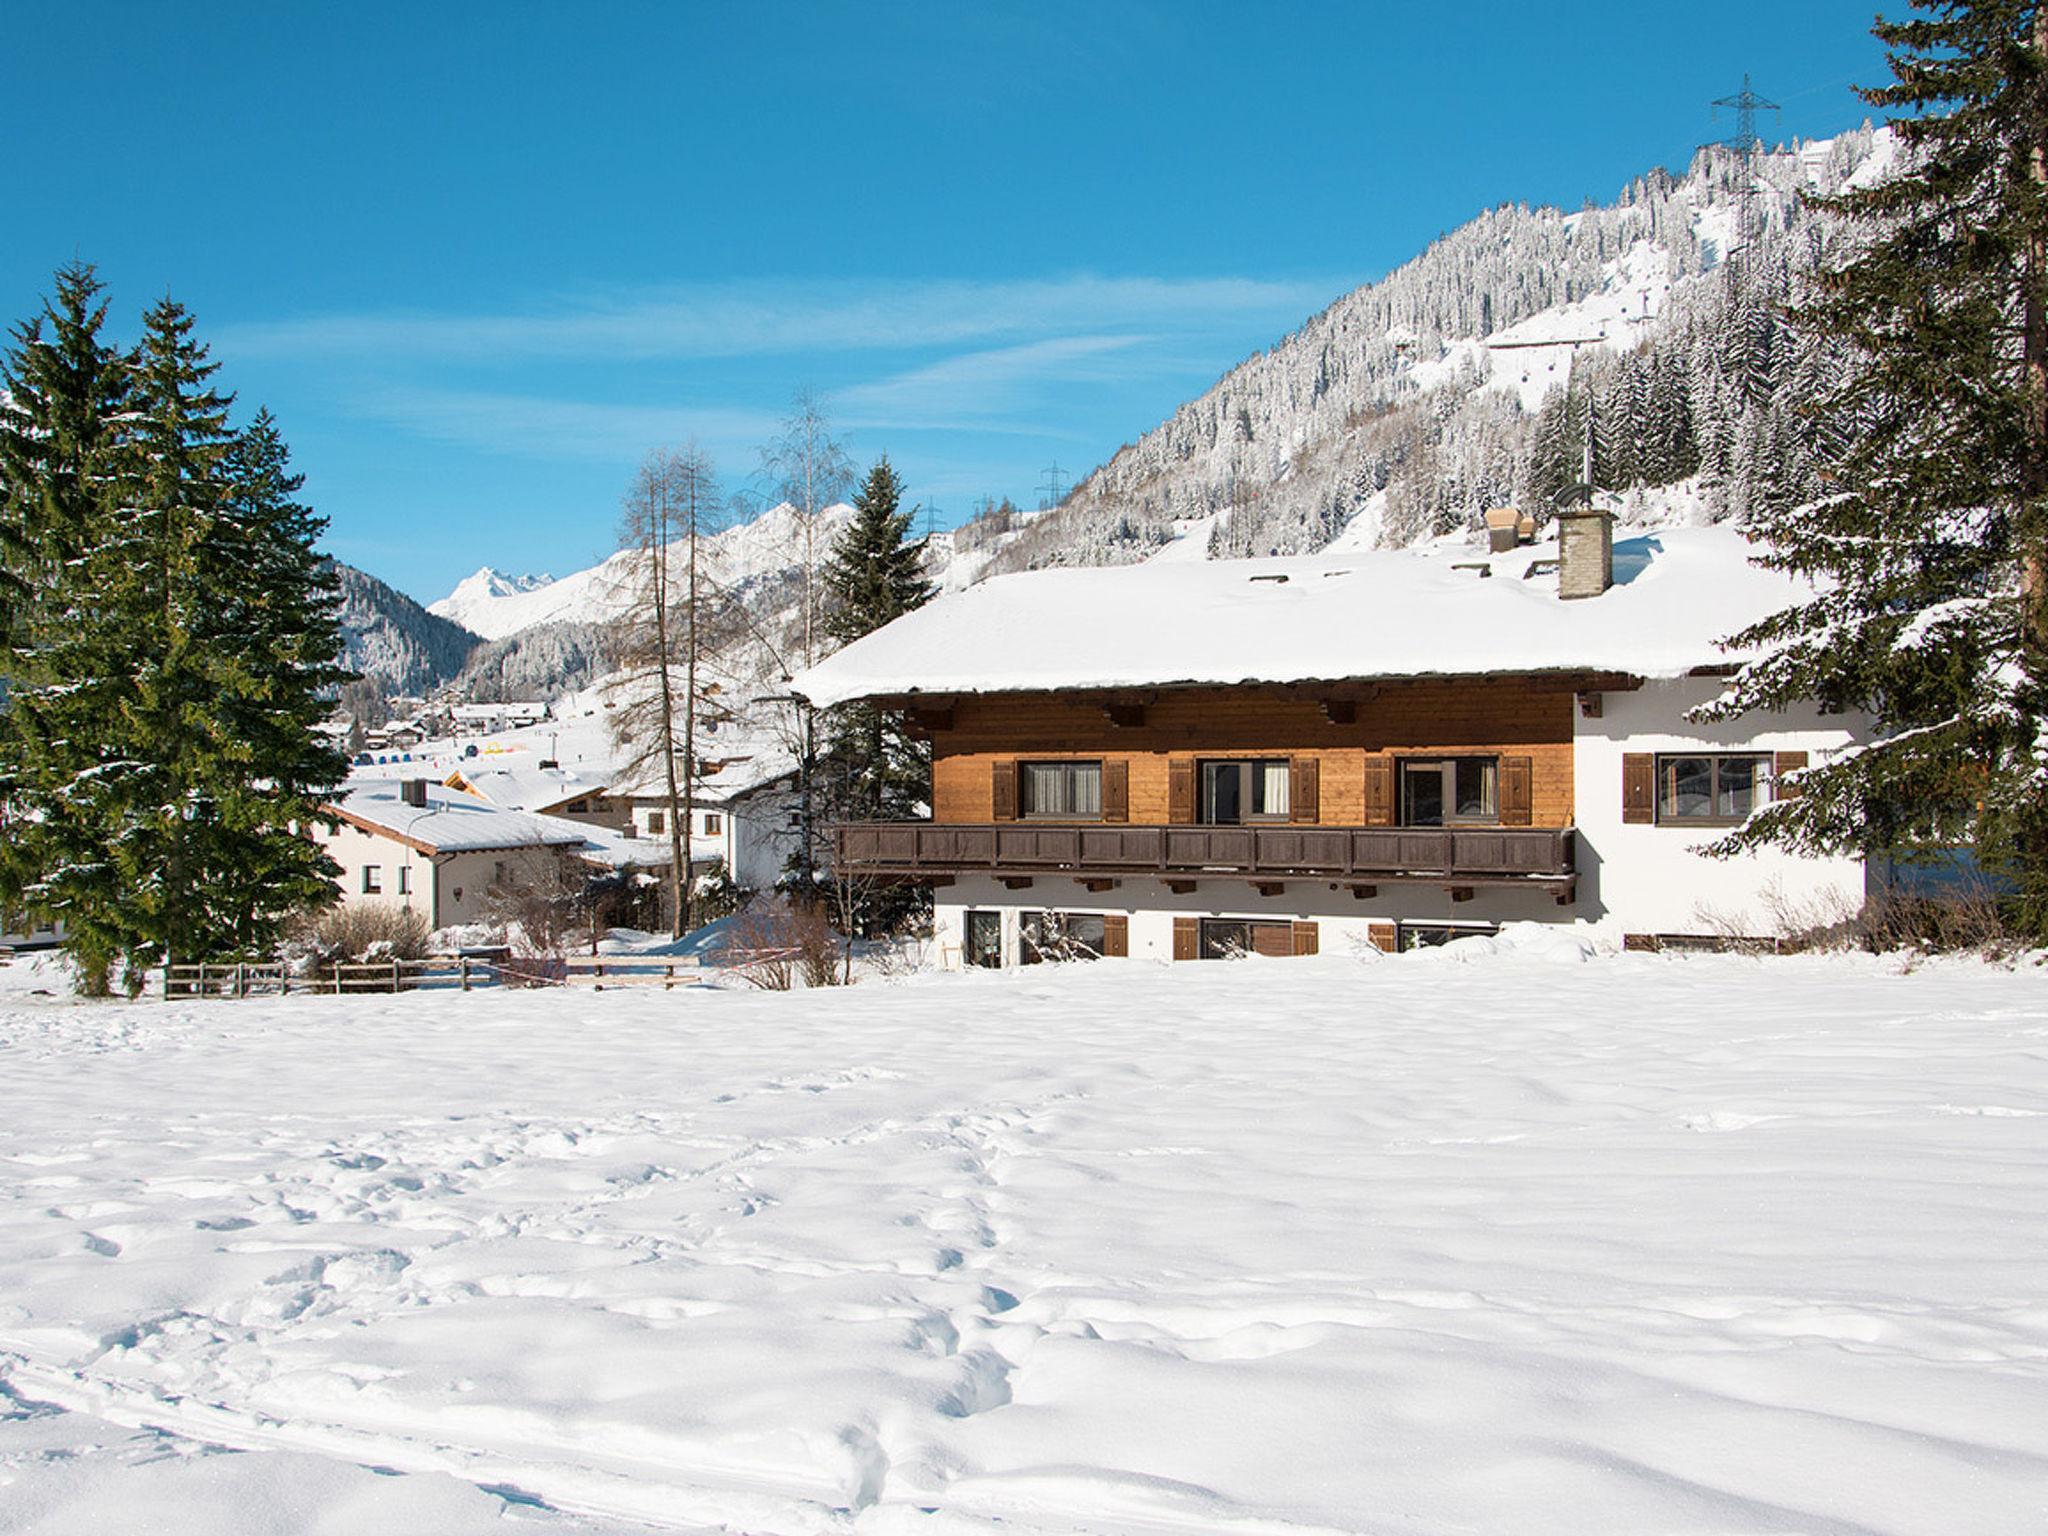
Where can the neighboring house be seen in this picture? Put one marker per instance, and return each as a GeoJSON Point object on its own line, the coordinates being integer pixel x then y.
{"type": "Point", "coordinates": [411, 843]}
{"type": "Point", "coordinates": [744, 812]}
{"type": "Point", "coordinates": [545, 790]}
{"type": "Point", "coordinates": [1386, 748]}
{"type": "Point", "coordinates": [499, 717]}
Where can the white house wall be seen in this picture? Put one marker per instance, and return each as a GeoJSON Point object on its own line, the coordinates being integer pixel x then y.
{"type": "Point", "coordinates": [352, 848]}
{"type": "Point", "coordinates": [764, 836]}
{"type": "Point", "coordinates": [1653, 879]}
{"type": "Point", "coordinates": [1342, 920]}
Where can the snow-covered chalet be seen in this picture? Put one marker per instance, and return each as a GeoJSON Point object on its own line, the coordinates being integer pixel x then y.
{"type": "Point", "coordinates": [1187, 760]}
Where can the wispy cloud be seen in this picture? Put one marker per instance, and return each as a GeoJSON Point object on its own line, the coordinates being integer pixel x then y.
{"type": "Point", "coordinates": [535, 426]}
{"type": "Point", "coordinates": [741, 319]}
{"type": "Point", "coordinates": [984, 390]}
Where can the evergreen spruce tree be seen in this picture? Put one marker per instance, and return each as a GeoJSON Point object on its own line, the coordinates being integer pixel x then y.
{"type": "Point", "coordinates": [875, 574]}
{"type": "Point", "coordinates": [1932, 545]}
{"type": "Point", "coordinates": [168, 655]}
{"type": "Point", "coordinates": [66, 399]}
{"type": "Point", "coordinates": [274, 644]}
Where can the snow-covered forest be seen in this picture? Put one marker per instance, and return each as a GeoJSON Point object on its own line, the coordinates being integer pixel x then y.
{"type": "Point", "coordinates": [1462, 379]}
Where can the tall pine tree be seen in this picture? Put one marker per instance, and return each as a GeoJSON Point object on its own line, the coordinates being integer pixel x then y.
{"type": "Point", "coordinates": [875, 574]}
{"type": "Point", "coordinates": [1931, 550]}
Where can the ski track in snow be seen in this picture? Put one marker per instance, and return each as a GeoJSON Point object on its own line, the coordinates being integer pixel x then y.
{"type": "Point", "coordinates": [1437, 1244]}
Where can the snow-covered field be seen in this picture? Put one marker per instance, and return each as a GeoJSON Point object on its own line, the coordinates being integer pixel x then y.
{"type": "Point", "coordinates": [1451, 1243]}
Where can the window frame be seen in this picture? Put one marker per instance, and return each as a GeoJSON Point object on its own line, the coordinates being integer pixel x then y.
{"type": "Point", "coordinates": [1664, 785]}
{"type": "Point", "coordinates": [981, 916]}
{"type": "Point", "coordinates": [1250, 772]}
{"type": "Point", "coordinates": [405, 879]}
{"type": "Point", "coordinates": [1447, 763]}
{"type": "Point", "coordinates": [373, 879]}
{"type": "Point", "coordinates": [1028, 952]}
{"type": "Point", "coordinates": [1069, 768]}
{"type": "Point", "coordinates": [1409, 937]}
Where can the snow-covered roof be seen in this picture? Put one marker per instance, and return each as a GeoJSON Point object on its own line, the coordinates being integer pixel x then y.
{"type": "Point", "coordinates": [1678, 592]}
{"type": "Point", "coordinates": [741, 762]}
{"type": "Point", "coordinates": [622, 850]}
{"type": "Point", "coordinates": [522, 787]}
{"type": "Point", "coordinates": [452, 822]}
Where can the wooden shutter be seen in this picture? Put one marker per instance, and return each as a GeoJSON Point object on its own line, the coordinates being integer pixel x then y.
{"type": "Point", "coordinates": [1786, 762]}
{"type": "Point", "coordinates": [1306, 939]}
{"type": "Point", "coordinates": [1003, 790]}
{"type": "Point", "coordinates": [1180, 792]}
{"type": "Point", "coordinates": [1517, 791]}
{"type": "Point", "coordinates": [1116, 790]}
{"type": "Point", "coordinates": [1187, 938]}
{"type": "Point", "coordinates": [1383, 936]}
{"type": "Point", "coordinates": [1379, 791]}
{"type": "Point", "coordinates": [1638, 787]}
{"type": "Point", "coordinates": [1273, 940]}
{"type": "Point", "coordinates": [1304, 789]}
{"type": "Point", "coordinates": [1116, 935]}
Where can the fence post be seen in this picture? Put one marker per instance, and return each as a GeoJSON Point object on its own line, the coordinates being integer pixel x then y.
{"type": "Point", "coordinates": [394, 976]}
{"type": "Point", "coordinates": [465, 972]}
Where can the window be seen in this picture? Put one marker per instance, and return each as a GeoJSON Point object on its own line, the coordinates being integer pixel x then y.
{"type": "Point", "coordinates": [711, 825]}
{"type": "Point", "coordinates": [1718, 789]}
{"type": "Point", "coordinates": [1066, 791]}
{"type": "Point", "coordinates": [373, 879]}
{"type": "Point", "coordinates": [1444, 791]}
{"type": "Point", "coordinates": [405, 879]}
{"type": "Point", "coordinates": [497, 872]}
{"type": "Point", "coordinates": [985, 939]}
{"type": "Point", "coordinates": [1226, 938]}
{"type": "Point", "coordinates": [1240, 792]}
{"type": "Point", "coordinates": [656, 824]}
{"type": "Point", "coordinates": [1060, 936]}
{"type": "Point", "coordinates": [1433, 935]}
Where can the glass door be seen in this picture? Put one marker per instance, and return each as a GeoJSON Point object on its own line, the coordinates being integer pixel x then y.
{"type": "Point", "coordinates": [984, 946]}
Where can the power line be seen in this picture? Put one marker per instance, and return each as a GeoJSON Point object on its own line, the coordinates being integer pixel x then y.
{"type": "Point", "coordinates": [1744, 143]}
{"type": "Point", "coordinates": [1050, 482]}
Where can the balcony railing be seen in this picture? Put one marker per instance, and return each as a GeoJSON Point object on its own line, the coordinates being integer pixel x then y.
{"type": "Point", "coordinates": [1542, 856]}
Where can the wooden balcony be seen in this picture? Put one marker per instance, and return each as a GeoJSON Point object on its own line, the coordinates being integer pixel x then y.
{"type": "Point", "coordinates": [1016, 852]}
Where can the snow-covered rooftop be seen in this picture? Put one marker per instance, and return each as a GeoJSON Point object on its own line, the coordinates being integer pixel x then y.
{"type": "Point", "coordinates": [452, 822]}
{"type": "Point", "coordinates": [524, 787]}
{"type": "Point", "coordinates": [1678, 593]}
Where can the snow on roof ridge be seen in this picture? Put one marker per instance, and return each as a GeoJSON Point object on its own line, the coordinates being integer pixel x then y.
{"type": "Point", "coordinates": [1678, 593]}
{"type": "Point", "coordinates": [452, 822]}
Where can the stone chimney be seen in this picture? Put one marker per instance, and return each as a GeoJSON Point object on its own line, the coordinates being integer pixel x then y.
{"type": "Point", "coordinates": [1585, 552]}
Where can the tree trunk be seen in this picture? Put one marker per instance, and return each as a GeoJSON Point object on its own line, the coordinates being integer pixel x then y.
{"type": "Point", "coordinates": [2034, 555]}
{"type": "Point", "coordinates": [659, 578]}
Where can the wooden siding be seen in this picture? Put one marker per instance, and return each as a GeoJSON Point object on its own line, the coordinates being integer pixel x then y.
{"type": "Point", "coordinates": [1506, 718]}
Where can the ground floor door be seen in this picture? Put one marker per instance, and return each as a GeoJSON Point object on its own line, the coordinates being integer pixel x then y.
{"type": "Point", "coordinates": [984, 939]}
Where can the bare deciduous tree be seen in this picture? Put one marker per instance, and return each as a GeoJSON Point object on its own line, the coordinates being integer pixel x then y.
{"type": "Point", "coordinates": [673, 619]}
{"type": "Point", "coordinates": [810, 471]}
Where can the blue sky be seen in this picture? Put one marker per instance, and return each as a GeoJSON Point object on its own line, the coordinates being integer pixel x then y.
{"type": "Point", "coordinates": [480, 257]}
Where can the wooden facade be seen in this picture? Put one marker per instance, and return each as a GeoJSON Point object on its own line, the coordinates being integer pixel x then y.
{"type": "Point", "coordinates": [1347, 748]}
{"type": "Point", "coordinates": [1340, 748]}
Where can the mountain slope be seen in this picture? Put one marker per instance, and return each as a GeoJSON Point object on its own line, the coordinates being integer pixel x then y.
{"type": "Point", "coordinates": [748, 559]}
{"type": "Point", "coordinates": [1293, 444]}
{"type": "Point", "coordinates": [392, 641]}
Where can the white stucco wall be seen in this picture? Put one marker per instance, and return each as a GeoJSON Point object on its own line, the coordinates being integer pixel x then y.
{"type": "Point", "coordinates": [1341, 919]}
{"type": "Point", "coordinates": [1652, 879]}
{"type": "Point", "coordinates": [706, 846]}
{"type": "Point", "coordinates": [352, 848]}
{"type": "Point", "coordinates": [762, 836]}
{"type": "Point", "coordinates": [445, 889]}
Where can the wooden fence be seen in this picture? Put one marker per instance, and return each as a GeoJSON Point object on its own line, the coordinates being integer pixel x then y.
{"type": "Point", "coordinates": [435, 973]}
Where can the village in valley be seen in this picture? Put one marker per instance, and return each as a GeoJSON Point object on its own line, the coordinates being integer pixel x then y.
{"type": "Point", "coordinates": [1450, 939]}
